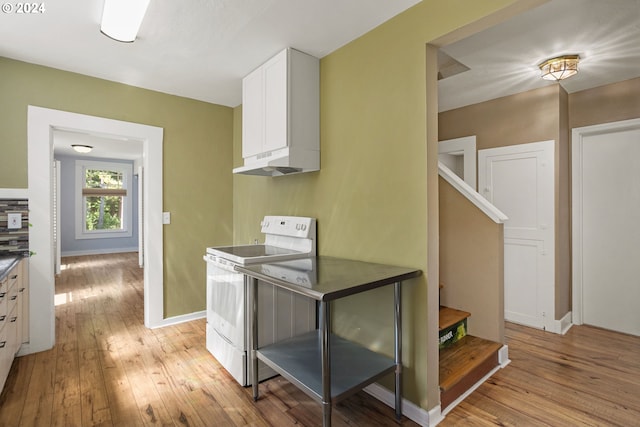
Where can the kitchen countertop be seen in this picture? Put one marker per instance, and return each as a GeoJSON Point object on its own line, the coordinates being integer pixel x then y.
{"type": "Point", "coordinates": [326, 278]}
{"type": "Point", "coordinates": [7, 262]}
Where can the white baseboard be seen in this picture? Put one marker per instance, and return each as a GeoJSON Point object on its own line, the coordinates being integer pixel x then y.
{"type": "Point", "coordinates": [98, 251]}
{"type": "Point", "coordinates": [503, 356]}
{"type": "Point", "coordinates": [566, 323]}
{"type": "Point", "coordinates": [435, 416]}
{"type": "Point", "coordinates": [179, 319]}
{"type": "Point", "coordinates": [561, 326]}
{"type": "Point", "coordinates": [409, 409]}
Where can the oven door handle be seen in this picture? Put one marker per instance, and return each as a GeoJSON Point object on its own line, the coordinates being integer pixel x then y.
{"type": "Point", "coordinates": [226, 339]}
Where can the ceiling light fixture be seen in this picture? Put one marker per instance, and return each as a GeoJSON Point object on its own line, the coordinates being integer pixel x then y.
{"type": "Point", "coordinates": [80, 148]}
{"type": "Point", "coordinates": [121, 19]}
{"type": "Point", "coordinates": [560, 68]}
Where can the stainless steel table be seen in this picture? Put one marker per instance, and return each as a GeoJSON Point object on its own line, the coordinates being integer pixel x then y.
{"type": "Point", "coordinates": [325, 366]}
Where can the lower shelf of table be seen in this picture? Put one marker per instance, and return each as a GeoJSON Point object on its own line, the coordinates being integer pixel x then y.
{"type": "Point", "coordinates": [299, 359]}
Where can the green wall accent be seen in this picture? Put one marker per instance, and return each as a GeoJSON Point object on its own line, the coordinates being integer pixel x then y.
{"type": "Point", "coordinates": [198, 152]}
{"type": "Point", "coordinates": [370, 195]}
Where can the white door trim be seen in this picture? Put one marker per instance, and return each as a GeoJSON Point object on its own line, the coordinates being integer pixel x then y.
{"type": "Point", "coordinates": [466, 147]}
{"type": "Point", "coordinates": [577, 138]}
{"type": "Point", "coordinates": [40, 125]}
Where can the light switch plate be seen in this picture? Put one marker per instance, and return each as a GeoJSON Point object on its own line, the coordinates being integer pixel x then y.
{"type": "Point", "coordinates": [14, 220]}
{"type": "Point", "coordinates": [166, 217]}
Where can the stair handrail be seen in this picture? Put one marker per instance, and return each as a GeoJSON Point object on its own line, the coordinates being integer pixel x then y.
{"type": "Point", "coordinates": [472, 195]}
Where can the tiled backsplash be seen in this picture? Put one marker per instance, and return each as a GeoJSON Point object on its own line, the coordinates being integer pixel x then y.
{"type": "Point", "coordinates": [14, 240]}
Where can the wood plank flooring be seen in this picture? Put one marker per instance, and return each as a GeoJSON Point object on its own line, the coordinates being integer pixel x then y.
{"type": "Point", "coordinates": [588, 377]}
{"type": "Point", "coordinates": [108, 369]}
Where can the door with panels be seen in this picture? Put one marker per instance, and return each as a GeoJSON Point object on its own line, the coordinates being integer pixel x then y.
{"type": "Point", "coordinates": [519, 180]}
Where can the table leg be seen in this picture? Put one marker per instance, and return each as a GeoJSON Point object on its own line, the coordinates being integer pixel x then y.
{"type": "Point", "coordinates": [398, 345]}
{"type": "Point", "coordinates": [254, 334]}
{"type": "Point", "coordinates": [325, 331]}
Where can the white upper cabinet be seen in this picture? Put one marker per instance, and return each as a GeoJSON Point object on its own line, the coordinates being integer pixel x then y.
{"type": "Point", "coordinates": [281, 116]}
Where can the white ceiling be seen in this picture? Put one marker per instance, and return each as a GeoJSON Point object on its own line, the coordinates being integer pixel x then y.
{"type": "Point", "coordinates": [503, 60]}
{"type": "Point", "coordinates": [198, 49]}
{"type": "Point", "coordinates": [103, 147]}
{"type": "Point", "coordinates": [201, 49]}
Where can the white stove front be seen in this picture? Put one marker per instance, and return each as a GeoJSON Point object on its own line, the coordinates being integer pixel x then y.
{"type": "Point", "coordinates": [286, 313]}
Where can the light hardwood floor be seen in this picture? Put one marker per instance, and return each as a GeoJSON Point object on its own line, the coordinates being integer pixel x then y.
{"type": "Point", "coordinates": [108, 369]}
{"type": "Point", "coordinates": [588, 377]}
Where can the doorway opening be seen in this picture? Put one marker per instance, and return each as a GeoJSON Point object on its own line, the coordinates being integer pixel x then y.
{"type": "Point", "coordinates": [41, 124]}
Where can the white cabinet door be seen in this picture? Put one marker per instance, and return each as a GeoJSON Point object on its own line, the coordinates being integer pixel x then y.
{"type": "Point", "coordinates": [252, 114]}
{"type": "Point", "coordinates": [264, 107]}
{"type": "Point", "coordinates": [276, 91]}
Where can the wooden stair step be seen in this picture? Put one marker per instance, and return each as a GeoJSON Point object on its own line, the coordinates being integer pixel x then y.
{"type": "Point", "coordinates": [464, 364]}
{"type": "Point", "coordinates": [451, 316]}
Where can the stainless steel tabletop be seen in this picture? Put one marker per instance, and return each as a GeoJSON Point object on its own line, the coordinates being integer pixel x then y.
{"type": "Point", "coordinates": [331, 278]}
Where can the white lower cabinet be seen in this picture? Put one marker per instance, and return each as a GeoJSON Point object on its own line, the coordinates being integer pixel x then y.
{"type": "Point", "coordinates": [12, 316]}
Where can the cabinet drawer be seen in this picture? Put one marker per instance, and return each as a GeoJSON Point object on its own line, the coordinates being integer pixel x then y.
{"type": "Point", "coordinates": [6, 355]}
{"type": "Point", "coordinates": [11, 329]}
{"type": "Point", "coordinates": [13, 296]}
{"type": "Point", "coordinates": [12, 277]}
{"type": "Point", "coordinates": [4, 307]}
{"type": "Point", "coordinates": [3, 295]}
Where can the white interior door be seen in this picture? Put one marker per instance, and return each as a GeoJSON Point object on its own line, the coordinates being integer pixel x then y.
{"type": "Point", "coordinates": [606, 177]}
{"type": "Point", "coordinates": [519, 180]}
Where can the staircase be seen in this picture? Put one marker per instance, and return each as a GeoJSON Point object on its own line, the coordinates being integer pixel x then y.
{"type": "Point", "coordinates": [464, 359]}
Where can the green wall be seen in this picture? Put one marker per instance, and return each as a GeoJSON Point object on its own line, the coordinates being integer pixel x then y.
{"type": "Point", "coordinates": [197, 184]}
{"type": "Point", "coordinates": [370, 196]}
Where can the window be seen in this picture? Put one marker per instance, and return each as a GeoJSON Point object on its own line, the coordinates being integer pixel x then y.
{"type": "Point", "coordinates": [103, 199]}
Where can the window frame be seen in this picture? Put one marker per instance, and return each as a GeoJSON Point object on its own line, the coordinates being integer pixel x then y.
{"type": "Point", "coordinates": [127, 200]}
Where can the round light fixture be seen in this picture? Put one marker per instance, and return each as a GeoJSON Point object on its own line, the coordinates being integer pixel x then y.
{"type": "Point", "coordinates": [560, 68]}
{"type": "Point", "coordinates": [80, 148]}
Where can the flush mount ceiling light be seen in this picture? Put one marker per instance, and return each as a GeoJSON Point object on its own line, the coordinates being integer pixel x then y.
{"type": "Point", "coordinates": [80, 148]}
{"type": "Point", "coordinates": [121, 19]}
{"type": "Point", "coordinates": [560, 68]}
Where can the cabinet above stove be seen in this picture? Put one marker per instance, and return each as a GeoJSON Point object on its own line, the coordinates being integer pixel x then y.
{"type": "Point", "coordinates": [281, 116]}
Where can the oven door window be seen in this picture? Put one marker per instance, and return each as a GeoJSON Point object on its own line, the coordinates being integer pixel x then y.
{"type": "Point", "coordinates": [225, 303]}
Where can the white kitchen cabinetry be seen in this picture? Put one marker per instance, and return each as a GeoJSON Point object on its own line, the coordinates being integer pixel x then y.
{"type": "Point", "coordinates": [23, 307]}
{"type": "Point", "coordinates": [12, 315]}
{"type": "Point", "coordinates": [281, 115]}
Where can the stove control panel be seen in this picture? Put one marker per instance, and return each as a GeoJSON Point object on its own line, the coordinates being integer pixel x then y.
{"type": "Point", "coordinates": [294, 226]}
